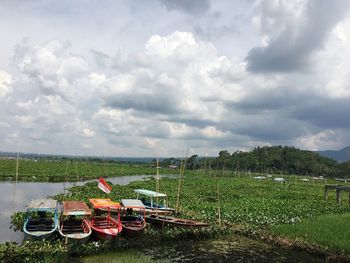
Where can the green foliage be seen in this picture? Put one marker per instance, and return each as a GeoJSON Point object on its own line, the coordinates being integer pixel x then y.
{"type": "Point", "coordinates": [276, 159]}
{"type": "Point", "coordinates": [120, 257]}
{"type": "Point", "coordinates": [17, 220]}
{"type": "Point", "coordinates": [33, 251]}
{"type": "Point", "coordinates": [330, 231]}
{"type": "Point", "coordinates": [69, 170]}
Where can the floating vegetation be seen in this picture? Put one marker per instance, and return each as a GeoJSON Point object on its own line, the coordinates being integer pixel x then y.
{"type": "Point", "coordinates": [247, 206]}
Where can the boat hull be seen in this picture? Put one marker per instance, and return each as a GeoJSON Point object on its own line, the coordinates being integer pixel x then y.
{"type": "Point", "coordinates": [75, 234]}
{"type": "Point", "coordinates": [175, 222]}
{"type": "Point", "coordinates": [39, 230]}
{"type": "Point", "coordinates": [133, 225]}
{"type": "Point", "coordinates": [105, 228]}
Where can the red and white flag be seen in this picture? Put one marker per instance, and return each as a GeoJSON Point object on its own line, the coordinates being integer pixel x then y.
{"type": "Point", "coordinates": [102, 184]}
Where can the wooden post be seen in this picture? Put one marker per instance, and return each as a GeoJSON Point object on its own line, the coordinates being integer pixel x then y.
{"type": "Point", "coordinates": [338, 196]}
{"type": "Point", "coordinates": [349, 198]}
{"type": "Point", "coordinates": [326, 192]}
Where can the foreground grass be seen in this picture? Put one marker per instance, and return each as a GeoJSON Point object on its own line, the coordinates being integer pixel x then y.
{"type": "Point", "coordinates": [330, 231]}
{"type": "Point", "coordinates": [129, 256]}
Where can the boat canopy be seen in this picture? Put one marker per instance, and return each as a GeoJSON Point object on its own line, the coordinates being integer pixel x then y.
{"type": "Point", "coordinates": [149, 193]}
{"type": "Point", "coordinates": [132, 203]}
{"type": "Point", "coordinates": [104, 203]}
{"type": "Point", "coordinates": [42, 205]}
{"type": "Point", "coordinates": [76, 208]}
{"type": "Point", "coordinates": [279, 179]}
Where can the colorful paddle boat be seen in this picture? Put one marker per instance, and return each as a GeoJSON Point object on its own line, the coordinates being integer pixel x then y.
{"type": "Point", "coordinates": [103, 225]}
{"type": "Point", "coordinates": [41, 219]}
{"type": "Point", "coordinates": [133, 222]}
{"type": "Point", "coordinates": [74, 225]}
{"type": "Point", "coordinates": [151, 203]}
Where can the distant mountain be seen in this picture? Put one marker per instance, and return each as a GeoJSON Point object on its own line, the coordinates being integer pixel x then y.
{"type": "Point", "coordinates": [340, 155]}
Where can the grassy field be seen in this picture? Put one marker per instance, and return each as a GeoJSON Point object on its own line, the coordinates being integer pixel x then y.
{"type": "Point", "coordinates": [330, 231]}
{"type": "Point", "coordinates": [69, 170]}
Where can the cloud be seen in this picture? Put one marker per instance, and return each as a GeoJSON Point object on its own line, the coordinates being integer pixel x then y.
{"type": "Point", "coordinates": [192, 7]}
{"type": "Point", "coordinates": [173, 92]}
{"type": "Point", "coordinates": [292, 31]}
{"type": "Point", "coordinates": [5, 84]}
{"type": "Point", "coordinates": [51, 67]}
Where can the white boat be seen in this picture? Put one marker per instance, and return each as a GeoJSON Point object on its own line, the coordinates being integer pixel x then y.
{"type": "Point", "coordinates": [74, 226]}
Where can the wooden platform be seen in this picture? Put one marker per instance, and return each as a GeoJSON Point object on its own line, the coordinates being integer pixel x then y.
{"type": "Point", "coordinates": [338, 189]}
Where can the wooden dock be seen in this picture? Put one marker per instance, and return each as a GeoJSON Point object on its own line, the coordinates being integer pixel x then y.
{"type": "Point", "coordinates": [338, 189]}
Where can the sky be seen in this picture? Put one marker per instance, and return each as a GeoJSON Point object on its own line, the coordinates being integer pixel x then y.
{"type": "Point", "coordinates": [158, 77]}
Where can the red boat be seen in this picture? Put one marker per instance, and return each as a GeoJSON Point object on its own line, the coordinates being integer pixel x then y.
{"type": "Point", "coordinates": [103, 225]}
{"type": "Point", "coordinates": [134, 223]}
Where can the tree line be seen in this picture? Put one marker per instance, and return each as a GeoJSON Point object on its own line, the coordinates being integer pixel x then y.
{"type": "Point", "coordinates": [266, 159]}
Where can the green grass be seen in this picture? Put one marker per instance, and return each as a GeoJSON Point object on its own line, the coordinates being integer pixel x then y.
{"type": "Point", "coordinates": [242, 200]}
{"type": "Point", "coordinates": [330, 231]}
{"type": "Point", "coordinates": [128, 256]}
{"type": "Point", "coordinates": [70, 170]}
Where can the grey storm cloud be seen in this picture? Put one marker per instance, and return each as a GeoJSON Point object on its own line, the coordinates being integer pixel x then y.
{"type": "Point", "coordinates": [193, 6]}
{"type": "Point", "coordinates": [150, 103]}
{"type": "Point", "coordinates": [285, 113]}
{"type": "Point", "coordinates": [192, 122]}
{"type": "Point", "coordinates": [325, 113]}
{"type": "Point", "coordinates": [279, 99]}
{"type": "Point", "coordinates": [291, 49]}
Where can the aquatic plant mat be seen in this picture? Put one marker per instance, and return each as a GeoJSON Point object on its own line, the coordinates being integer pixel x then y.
{"type": "Point", "coordinates": [243, 205]}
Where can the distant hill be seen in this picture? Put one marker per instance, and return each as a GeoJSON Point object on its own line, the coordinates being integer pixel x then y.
{"type": "Point", "coordinates": [340, 155]}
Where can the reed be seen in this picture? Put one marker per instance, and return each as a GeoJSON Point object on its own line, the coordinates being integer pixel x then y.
{"type": "Point", "coordinates": [330, 231]}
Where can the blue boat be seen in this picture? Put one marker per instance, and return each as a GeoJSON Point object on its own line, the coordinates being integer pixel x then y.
{"type": "Point", "coordinates": [41, 219]}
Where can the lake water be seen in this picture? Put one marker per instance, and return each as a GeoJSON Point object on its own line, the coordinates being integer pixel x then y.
{"type": "Point", "coordinates": [13, 200]}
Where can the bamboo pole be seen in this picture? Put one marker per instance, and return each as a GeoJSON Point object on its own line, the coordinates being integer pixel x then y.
{"type": "Point", "coordinates": [178, 186]}
{"type": "Point", "coordinates": [157, 187]}
{"type": "Point", "coordinates": [219, 206]}
{"type": "Point", "coordinates": [65, 177]}
{"type": "Point", "coordinates": [182, 171]}
{"type": "Point", "coordinates": [15, 183]}
{"type": "Point", "coordinates": [76, 169]}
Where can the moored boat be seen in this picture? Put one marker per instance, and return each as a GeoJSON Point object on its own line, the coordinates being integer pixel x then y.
{"type": "Point", "coordinates": [74, 226]}
{"type": "Point", "coordinates": [151, 203]}
{"type": "Point", "coordinates": [103, 225]}
{"type": "Point", "coordinates": [160, 220]}
{"type": "Point", "coordinates": [133, 222]}
{"type": "Point", "coordinates": [41, 219]}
